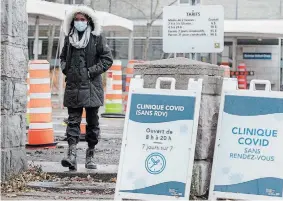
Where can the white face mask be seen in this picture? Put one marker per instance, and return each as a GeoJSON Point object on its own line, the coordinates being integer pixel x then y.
{"type": "Point", "coordinates": [80, 25]}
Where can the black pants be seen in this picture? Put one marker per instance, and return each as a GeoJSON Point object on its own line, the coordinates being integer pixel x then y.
{"type": "Point", "coordinates": [92, 127]}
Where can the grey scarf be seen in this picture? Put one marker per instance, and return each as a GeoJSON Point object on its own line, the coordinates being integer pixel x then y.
{"type": "Point", "coordinates": [74, 38]}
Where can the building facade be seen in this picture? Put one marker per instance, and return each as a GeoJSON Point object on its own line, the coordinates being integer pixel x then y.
{"type": "Point", "coordinates": [143, 12]}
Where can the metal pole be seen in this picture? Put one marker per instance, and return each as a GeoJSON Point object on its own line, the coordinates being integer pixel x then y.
{"type": "Point", "coordinates": [214, 58]}
{"type": "Point", "coordinates": [280, 6]}
{"type": "Point", "coordinates": [55, 64]}
{"type": "Point", "coordinates": [131, 50]}
{"type": "Point", "coordinates": [110, 6]}
{"type": "Point", "coordinates": [193, 55]}
{"type": "Point", "coordinates": [281, 67]}
{"type": "Point", "coordinates": [151, 9]}
{"type": "Point", "coordinates": [234, 54]}
{"type": "Point", "coordinates": [236, 9]}
{"type": "Point", "coordinates": [36, 41]}
{"type": "Point", "coordinates": [280, 73]}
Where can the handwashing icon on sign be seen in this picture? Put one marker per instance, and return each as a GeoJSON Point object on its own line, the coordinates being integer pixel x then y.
{"type": "Point", "coordinates": [155, 163]}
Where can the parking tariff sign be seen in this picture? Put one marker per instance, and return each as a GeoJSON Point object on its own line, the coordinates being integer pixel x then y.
{"type": "Point", "coordinates": [158, 144]}
{"type": "Point", "coordinates": [193, 29]}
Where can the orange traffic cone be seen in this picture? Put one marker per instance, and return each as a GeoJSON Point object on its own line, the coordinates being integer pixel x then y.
{"type": "Point", "coordinates": [40, 133]}
{"type": "Point", "coordinates": [83, 125]}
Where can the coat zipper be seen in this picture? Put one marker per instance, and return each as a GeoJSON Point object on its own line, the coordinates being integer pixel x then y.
{"type": "Point", "coordinates": [89, 82]}
{"type": "Point", "coordinates": [89, 92]}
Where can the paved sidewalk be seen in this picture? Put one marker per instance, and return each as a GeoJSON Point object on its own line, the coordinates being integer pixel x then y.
{"type": "Point", "coordinates": [94, 187]}
{"type": "Point", "coordinates": [106, 152]}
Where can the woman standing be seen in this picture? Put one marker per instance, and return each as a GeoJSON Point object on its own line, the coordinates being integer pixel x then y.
{"type": "Point", "coordinates": [85, 56]}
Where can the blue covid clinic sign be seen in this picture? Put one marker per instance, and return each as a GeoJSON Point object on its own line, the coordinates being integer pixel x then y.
{"type": "Point", "coordinates": [249, 159]}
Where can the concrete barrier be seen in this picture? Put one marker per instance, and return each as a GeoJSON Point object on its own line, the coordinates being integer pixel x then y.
{"type": "Point", "coordinates": [182, 69]}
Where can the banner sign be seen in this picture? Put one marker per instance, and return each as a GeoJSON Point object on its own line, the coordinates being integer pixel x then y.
{"type": "Point", "coordinates": [159, 141]}
{"type": "Point", "coordinates": [248, 161]}
{"type": "Point", "coordinates": [237, 73]}
{"type": "Point", "coordinates": [264, 56]}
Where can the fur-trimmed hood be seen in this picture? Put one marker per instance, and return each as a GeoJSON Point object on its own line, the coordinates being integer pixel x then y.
{"type": "Point", "coordinates": [86, 10]}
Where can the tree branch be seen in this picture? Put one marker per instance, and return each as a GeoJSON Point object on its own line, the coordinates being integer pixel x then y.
{"type": "Point", "coordinates": [156, 6]}
{"type": "Point", "coordinates": [153, 20]}
{"type": "Point", "coordinates": [134, 6]}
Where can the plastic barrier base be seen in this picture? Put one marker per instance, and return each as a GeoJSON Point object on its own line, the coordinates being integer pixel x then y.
{"type": "Point", "coordinates": [35, 146]}
{"type": "Point", "coordinates": [112, 115]}
{"type": "Point", "coordinates": [82, 137]}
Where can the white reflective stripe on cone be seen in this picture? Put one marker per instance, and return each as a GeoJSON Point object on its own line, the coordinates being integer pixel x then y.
{"type": "Point", "coordinates": [40, 125]}
{"type": "Point", "coordinates": [117, 82]}
{"type": "Point", "coordinates": [130, 65]}
{"type": "Point", "coordinates": [114, 92]}
{"type": "Point", "coordinates": [39, 67]}
{"type": "Point", "coordinates": [116, 72]}
{"type": "Point", "coordinates": [40, 95]}
{"type": "Point", "coordinates": [117, 62]}
{"type": "Point", "coordinates": [41, 110]}
{"type": "Point", "coordinates": [83, 121]}
{"type": "Point", "coordinates": [107, 101]}
{"type": "Point", "coordinates": [40, 81]}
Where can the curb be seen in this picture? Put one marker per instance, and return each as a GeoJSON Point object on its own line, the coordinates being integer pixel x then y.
{"type": "Point", "coordinates": [103, 172]}
{"type": "Point", "coordinates": [96, 187]}
{"type": "Point", "coordinates": [105, 177]}
{"type": "Point", "coordinates": [63, 196]}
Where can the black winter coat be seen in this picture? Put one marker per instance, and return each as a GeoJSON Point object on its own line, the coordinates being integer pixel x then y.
{"type": "Point", "coordinates": [83, 69]}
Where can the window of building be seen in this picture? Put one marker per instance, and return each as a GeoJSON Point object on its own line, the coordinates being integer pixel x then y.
{"type": "Point", "coordinates": [43, 31]}
{"type": "Point", "coordinates": [138, 48]}
{"type": "Point", "coordinates": [119, 47]}
{"type": "Point", "coordinates": [205, 57]}
{"type": "Point", "coordinates": [117, 33]}
{"type": "Point", "coordinates": [74, 1]}
{"type": "Point", "coordinates": [189, 1]}
{"type": "Point", "coordinates": [155, 49]}
{"type": "Point", "coordinates": [226, 57]}
{"type": "Point", "coordinates": [141, 31]}
{"type": "Point", "coordinates": [43, 54]}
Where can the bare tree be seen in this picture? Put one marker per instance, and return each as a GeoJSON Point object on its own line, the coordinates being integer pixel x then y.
{"type": "Point", "coordinates": [153, 16]}
{"type": "Point", "coordinates": [88, 2]}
